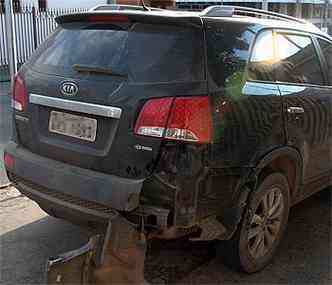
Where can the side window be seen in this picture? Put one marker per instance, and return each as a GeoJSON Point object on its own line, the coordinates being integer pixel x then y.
{"type": "Point", "coordinates": [228, 47]}
{"type": "Point", "coordinates": [297, 60]}
{"type": "Point", "coordinates": [327, 52]}
{"type": "Point", "coordinates": [261, 63]}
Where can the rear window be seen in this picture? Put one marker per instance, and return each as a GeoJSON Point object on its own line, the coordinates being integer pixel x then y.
{"type": "Point", "coordinates": [228, 47]}
{"type": "Point", "coordinates": [143, 52]}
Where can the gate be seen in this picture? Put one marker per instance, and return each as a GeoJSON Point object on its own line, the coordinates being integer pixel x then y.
{"type": "Point", "coordinates": [31, 27]}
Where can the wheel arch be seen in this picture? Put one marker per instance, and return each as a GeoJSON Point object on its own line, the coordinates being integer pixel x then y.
{"type": "Point", "coordinates": [286, 160]}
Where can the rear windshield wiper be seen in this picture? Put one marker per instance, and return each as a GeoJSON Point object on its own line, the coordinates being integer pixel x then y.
{"type": "Point", "coordinates": [96, 69]}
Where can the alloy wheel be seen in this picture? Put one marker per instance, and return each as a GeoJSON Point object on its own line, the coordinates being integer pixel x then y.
{"type": "Point", "coordinates": [264, 226]}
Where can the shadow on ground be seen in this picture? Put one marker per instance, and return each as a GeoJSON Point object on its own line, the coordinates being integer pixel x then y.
{"type": "Point", "coordinates": [304, 256]}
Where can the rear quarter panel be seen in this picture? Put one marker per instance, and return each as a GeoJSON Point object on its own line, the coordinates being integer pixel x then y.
{"type": "Point", "coordinates": [247, 116]}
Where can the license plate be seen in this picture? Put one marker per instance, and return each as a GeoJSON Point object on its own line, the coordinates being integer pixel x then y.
{"type": "Point", "coordinates": [73, 126]}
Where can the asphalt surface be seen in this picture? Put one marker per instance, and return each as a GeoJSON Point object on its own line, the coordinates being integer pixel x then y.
{"type": "Point", "coordinates": [28, 237]}
{"type": "Point", "coordinates": [5, 125]}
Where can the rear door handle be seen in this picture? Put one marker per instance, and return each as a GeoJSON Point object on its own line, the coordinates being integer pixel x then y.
{"type": "Point", "coordinates": [295, 110]}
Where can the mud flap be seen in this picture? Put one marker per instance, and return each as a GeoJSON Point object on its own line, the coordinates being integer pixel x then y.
{"type": "Point", "coordinates": [117, 257]}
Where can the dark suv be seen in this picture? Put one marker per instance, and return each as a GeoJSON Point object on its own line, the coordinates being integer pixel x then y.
{"type": "Point", "coordinates": [208, 124]}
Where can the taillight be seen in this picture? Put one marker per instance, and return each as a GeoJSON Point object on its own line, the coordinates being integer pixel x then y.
{"type": "Point", "coordinates": [9, 161]}
{"type": "Point", "coordinates": [20, 95]}
{"type": "Point", "coordinates": [190, 120]}
{"type": "Point", "coordinates": [153, 117]}
{"type": "Point", "coordinates": [181, 118]}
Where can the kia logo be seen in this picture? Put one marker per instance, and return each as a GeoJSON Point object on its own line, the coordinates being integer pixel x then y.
{"type": "Point", "coordinates": [68, 88]}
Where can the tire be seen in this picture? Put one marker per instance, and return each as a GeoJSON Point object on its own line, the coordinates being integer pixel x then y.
{"type": "Point", "coordinates": [251, 247]}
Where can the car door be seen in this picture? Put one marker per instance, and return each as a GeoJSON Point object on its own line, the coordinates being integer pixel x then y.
{"type": "Point", "coordinates": [325, 46]}
{"type": "Point", "coordinates": [307, 103]}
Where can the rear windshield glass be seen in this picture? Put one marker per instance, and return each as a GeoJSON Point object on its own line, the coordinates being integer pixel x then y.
{"type": "Point", "coordinates": [142, 52]}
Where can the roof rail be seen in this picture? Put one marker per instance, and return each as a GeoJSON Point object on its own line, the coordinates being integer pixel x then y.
{"type": "Point", "coordinates": [116, 7]}
{"type": "Point", "coordinates": [229, 11]}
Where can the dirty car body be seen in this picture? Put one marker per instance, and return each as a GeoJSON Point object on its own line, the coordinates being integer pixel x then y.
{"type": "Point", "coordinates": [182, 120]}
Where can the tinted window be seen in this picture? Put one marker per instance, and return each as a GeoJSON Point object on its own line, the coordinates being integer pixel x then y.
{"type": "Point", "coordinates": [327, 51]}
{"type": "Point", "coordinates": [262, 58]}
{"type": "Point", "coordinates": [228, 51]}
{"type": "Point", "coordinates": [297, 61]}
{"type": "Point", "coordinates": [145, 52]}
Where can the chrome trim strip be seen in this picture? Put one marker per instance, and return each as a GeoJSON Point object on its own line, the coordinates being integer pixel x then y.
{"type": "Point", "coordinates": [88, 108]}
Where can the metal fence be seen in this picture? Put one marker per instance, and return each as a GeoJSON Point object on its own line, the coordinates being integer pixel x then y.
{"type": "Point", "coordinates": [32, 26]}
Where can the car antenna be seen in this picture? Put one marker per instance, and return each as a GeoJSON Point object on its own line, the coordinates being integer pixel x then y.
{"type": "Point", "coordinates": [145, 7]}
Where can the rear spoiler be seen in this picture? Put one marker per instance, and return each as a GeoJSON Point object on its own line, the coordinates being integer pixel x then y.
{"type": "Point", "coordinates": [115, 7]}
{"type": "Point", "coordinates": [151, 17]}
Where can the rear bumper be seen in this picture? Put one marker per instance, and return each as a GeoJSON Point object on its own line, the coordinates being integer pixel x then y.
{"type": "Point", "coordinates": [40, 175]}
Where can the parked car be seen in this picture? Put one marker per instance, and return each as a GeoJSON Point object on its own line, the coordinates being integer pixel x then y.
{"type": "Point", "coordinates": [209, 124]}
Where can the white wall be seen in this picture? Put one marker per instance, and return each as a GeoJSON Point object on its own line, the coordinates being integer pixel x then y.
{"type": "Point", "coordinates": [69, 3]}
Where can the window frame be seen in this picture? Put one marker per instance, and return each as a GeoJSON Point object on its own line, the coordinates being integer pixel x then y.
{"type": "Point", "coordinates": [323, 58]}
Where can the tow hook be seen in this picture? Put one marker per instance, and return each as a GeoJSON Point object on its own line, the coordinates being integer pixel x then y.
{"type": "Point", "coordinates": [114, 257]}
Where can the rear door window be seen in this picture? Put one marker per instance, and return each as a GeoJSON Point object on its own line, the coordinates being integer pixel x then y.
{"type": "Point", "coordinates": [143, 52]}
{"type": "Point", "coordinates": [326, 48]}
{"type": "Point", "coordinates": [297, 60]}
{"type": "Point", "coordinates": [263, 58]}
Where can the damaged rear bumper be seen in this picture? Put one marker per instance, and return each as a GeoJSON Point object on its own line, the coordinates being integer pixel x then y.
{"type": "Point", "coordinates": [113, 256]}
{"type": "Point", "coordinates": [84, 184]}
{"type": "Point", "coordinates": [83, 196]}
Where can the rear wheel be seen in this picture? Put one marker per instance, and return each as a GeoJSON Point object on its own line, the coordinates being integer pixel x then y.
{"type": "Point", "coordinates": [261, 229]}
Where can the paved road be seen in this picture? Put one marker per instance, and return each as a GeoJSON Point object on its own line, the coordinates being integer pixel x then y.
{"type": "Point", "coordinates": [5, 125]}
{"type": "Point", "coordinates": [28, 236]}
